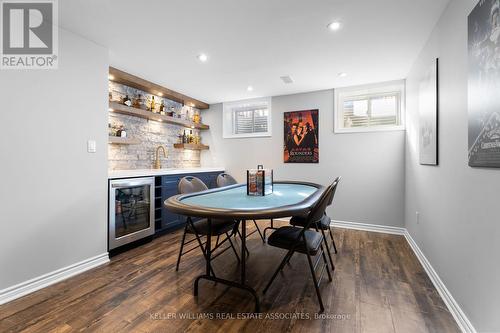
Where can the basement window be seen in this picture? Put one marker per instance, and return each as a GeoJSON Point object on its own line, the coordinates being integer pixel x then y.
{"type": "Point", "coordinates": [248, 118]}
{"type": "Point", "coordinates": [370, 108]}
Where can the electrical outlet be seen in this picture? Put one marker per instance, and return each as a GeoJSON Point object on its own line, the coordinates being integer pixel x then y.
{"type": "Point", "coordinates": [91, 146]}
{"type": "Point", "coordinates": [417, 217]}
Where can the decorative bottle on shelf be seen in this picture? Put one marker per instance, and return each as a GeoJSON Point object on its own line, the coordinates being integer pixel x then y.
{"type": "Point", "coordinates": [121, 132]}
{"type": "Point", "coordinates": [196, 118]}
{"type": "Point", "coordinates": [127, 101]}
{"type": "Point", "coordinates": [190, 136]}
{"type": "Point", "coordinates": [137, 101]}
{"type": "Point", "coordinates": [162, 108]}
{"type": "Point", "coordinates": [184, 137]}
{"type": "Point", "coordinates": [152, 104]}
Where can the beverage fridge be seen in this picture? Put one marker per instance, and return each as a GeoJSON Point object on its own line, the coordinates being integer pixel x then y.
{"type": "Point", "coordinates": [131, 210]}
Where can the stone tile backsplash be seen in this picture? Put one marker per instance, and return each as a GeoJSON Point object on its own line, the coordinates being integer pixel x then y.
{"type": "Point", "coordinates": [151, 134]}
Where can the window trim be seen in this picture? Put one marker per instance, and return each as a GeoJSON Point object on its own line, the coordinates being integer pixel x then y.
{"type": "Point", "coordinates": [228, 118]}
{"type": "Point", "coordinates": [368, 90]}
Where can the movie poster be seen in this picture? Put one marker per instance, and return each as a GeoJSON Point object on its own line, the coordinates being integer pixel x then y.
{"type": "Point", "coordinates": [301, 137]}
{"type": "Point", "coordinates": [484, 84]}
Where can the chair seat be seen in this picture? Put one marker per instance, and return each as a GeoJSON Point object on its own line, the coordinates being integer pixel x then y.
{"type": "Point", "coordinates": [219, 227]}
{"type": "Point", "coordinates": [285, 238]}
{"type": "Point", "coordinates": [301, 221]}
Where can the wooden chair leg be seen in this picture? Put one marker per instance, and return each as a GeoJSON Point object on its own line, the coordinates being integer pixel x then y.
{"type": "Point", "coordinates": [182, 247]}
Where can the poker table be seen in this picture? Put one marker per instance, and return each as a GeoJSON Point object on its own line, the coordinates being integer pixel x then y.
{"type": "Point", "coordinates": [289, 198]}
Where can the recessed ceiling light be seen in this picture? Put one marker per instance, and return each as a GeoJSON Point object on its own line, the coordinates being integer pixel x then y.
{"type": "Point", "coordinates": [334, 26]}
{"type": "Point", "coordinates": [249, 88]}
{"type": "Point", "coordinates": [342, 74]}
{"type": "Point", "coordinates": [160, 94]}
{"type": "Point", "coordinates": [202, 57]}
{"type": "Point", "coordinates": [111, 110]}
{"type": "Point", "coordinates": [111, 77]}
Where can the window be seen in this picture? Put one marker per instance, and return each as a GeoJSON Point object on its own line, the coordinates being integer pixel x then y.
{"type": "Point", "coordinates": [369, 108]}
{"type": "Point", "coordinates": [249, 118]}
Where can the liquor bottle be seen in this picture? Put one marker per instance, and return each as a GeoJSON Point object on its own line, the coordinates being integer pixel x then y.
{"type": "Point", "coordinates": [162, 107]}
{"type": "Point", "coordinates": [127, 101]}
{"type": "Point", "coordinates": [191, 136]}
{"type": "Point", "coordinates": [184, 137]}
{"type": "Point", "coordinates": [153, 104]}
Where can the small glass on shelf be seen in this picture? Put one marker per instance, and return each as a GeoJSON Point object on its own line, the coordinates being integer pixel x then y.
{"type": "Point", "coordinates": [259, 181]}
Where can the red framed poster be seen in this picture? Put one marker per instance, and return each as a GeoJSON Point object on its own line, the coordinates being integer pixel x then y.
{"type": "Point", "coordinates": [301, 137]}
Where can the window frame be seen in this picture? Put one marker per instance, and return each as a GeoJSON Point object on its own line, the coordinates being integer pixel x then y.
{"type": "Point", "coordinates": [228, 119]}
{"type": "Point", "coordinates": [369, 91]}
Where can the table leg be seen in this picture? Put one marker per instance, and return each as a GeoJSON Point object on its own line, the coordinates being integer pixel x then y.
{"type": "Point", "coordinates": [242, 284]}
{"type": "Point", "coordinates": [243, 247]}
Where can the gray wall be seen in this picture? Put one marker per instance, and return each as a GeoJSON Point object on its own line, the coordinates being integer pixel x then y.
{"type": "Point", "coordinates": [53, 192]}
{"type": "Point", "coordinates": [371, 164]}
{"type": "Point", "coordinates": [459, 229]}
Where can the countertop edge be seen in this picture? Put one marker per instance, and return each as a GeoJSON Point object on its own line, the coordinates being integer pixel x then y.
{"type": "Point", "coordinates": [118, 174]}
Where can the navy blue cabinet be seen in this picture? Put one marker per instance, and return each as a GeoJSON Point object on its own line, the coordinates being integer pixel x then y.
{"type": "Point", "coordinates": [168, 186]}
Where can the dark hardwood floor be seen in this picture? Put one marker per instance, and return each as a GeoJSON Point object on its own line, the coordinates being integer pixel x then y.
{"type": "Point", "coordinates": [378, 286]}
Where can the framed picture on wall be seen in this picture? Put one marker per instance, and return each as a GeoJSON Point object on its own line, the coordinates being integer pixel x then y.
{"type": "Point", "coordinates": [428, 96]}
{"type": "Point", "coordinates": [484, 84]}
{"type": "Point", "coordinates": [301, 137]}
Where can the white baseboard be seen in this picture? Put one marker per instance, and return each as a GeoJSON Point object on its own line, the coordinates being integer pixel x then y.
{"type": "Point", "coordinates": [460, 317]}
{"type": "Point", "coordinates": [27, 287]}
{"type": "Point", "coordinates": [462, 321]}
{"type": "Point", "coordinates": [369, 227]}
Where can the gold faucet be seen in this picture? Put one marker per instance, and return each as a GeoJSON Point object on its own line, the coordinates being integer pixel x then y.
{"type": "Point", "coordinates": [157, 164]}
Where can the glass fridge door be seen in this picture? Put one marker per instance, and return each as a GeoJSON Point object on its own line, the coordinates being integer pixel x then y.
{"type": "Point", "coordinates": [132, 210]}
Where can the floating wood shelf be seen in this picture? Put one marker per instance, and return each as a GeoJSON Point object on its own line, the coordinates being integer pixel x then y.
{"type": "Point", "coordinates": [190, 146]}
{"type": "Point", "coordinates": [123, 141]}
{"type": "Point", "coordinates": [133, 81]}
{"type": "Point", "coordinates": [131, 111]}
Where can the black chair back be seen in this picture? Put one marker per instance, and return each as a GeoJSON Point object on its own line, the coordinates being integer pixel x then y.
{"type": "Point", "coordinates": [225, 179]}
{"type": "Point", "coordinates": [190, 184]}
{"type": "Point", "coordinates": [332, 194]}
{"type": "Point", "coordinates": [319, 208]}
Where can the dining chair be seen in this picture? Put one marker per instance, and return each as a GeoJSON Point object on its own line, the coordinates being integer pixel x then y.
{"type": "Point", "coordinates": [323, 224]}
{"type": "Point", "coordinates": [225, 179]}
{"type": "Point", "coordinates": [305, 241]}
{"type": "Point", "coordinates": [199, 227]}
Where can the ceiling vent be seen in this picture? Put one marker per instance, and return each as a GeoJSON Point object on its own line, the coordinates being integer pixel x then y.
{"type": "Point", "coordinates": [287, 79]}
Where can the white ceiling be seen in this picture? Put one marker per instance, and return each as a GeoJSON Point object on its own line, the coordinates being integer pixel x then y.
{"type": "Point", "coordinates": [254, 42]}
